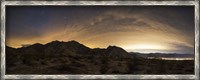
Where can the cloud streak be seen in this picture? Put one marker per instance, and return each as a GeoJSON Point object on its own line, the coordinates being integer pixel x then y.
{"type": "Point", "coordinates": [171, 28]}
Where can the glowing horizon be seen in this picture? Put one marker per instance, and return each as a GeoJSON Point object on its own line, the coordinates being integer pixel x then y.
{"type": "Point", "coordinates": [143, 29]}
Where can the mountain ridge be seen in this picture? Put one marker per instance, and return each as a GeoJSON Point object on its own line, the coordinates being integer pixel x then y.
{"type": "Point", "coordinates": [58, 57]}
{"type": "Point", "coordinates": [73, 46]}
{"type": "Point", "coordinates": [77, 47]}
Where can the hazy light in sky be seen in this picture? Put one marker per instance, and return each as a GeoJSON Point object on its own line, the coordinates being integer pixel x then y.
{"type": "Point", "coordinates": [140, 29]}
{"type": "Point", "coordinates": [144, 46]}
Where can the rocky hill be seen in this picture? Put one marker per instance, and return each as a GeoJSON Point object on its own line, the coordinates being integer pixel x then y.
{"type": "Point", "coordinates": [72, 57]}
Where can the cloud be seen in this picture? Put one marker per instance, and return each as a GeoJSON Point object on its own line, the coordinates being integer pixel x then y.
{"type": "Point", "coordinates": [121, 26]}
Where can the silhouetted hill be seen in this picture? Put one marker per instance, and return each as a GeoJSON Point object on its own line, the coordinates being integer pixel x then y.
{"type": "Point", "coordinates": [116, 51]}
{"type": "Point", "coordinates": [56, 47]}
{"type": "Point", "coordinates": [110, 51]}
{"type": "Point", "coordinates": [60, 47]}
{"type": "Point", "coordinates": [72, 57]}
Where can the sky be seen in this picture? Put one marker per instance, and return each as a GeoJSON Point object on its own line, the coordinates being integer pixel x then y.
{"type": "Point", "coordinates": [166, 29]}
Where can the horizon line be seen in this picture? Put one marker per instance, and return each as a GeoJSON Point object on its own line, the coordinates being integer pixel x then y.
{"type": "Point", "coordinates": [127, 50]}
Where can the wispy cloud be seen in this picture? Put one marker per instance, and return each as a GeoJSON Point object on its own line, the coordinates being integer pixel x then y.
{"type": "Point", "coordinates": [169, 27]}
